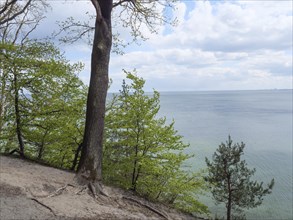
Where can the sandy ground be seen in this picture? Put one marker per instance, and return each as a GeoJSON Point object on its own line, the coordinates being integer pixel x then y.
{"type": "Point", "coordinates": [32, 191]}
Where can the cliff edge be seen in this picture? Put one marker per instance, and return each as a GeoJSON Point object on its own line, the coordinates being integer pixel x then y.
{"type": "Point", "coordinates": [32, 191]}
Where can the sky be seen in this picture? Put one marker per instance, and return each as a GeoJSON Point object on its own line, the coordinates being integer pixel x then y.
{"type": "Point", "coordinates": [216, 45]}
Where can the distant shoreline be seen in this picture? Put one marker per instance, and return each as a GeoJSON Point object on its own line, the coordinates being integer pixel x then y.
{"type": "Point", "coordinates": [212, 91]}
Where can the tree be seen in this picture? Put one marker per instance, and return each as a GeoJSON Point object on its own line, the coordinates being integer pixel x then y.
{"type": "Point", "coordinates": [18, 19]}
{"type": "Point", "coordinates": [46, 98]}
{"type": "Point", "coordinates": [90, 165]}
{"type": "Point", "coordinates": [230, 179]}
{"type": "Point", "coordinates": [133, 13]}
{"type": "Point", "coordinates": [145, 154]}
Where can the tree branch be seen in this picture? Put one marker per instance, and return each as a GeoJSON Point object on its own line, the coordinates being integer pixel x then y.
{"type": "Point", "coordinates": [16, 14]}
{"type": "Point", "coordinates": [7, 5]}
{"type": "Point", "coordinates": [121, 2]}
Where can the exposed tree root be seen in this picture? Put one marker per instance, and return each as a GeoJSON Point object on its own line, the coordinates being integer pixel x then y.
{"type": "Point", "coordinates": [92, 188]}
{"type": "Point", "coordinates": [97, 189]}
{"type": "Point", "coordinates": [81, 190]}
{"type": "Point", "coordinates": [101, 190]}
{"type": "Point", "coordinates": [59, 191]}
{"type": "Point", "coordinates": [42, 204]}
{"type": "Point", "coordinates": [147, 206]}
{"type": "Point", "coordinates": [56, 193]}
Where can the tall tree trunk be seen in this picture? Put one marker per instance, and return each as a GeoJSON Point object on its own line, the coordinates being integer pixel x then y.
{"type": "Point", "coordinates": [229, 207]}
{"type": "Point", "coordinates": [229, 210]}
{"type": "Point", "coordinates": [136, 169]}
{"type": "Point", "coordinates": [90, 165]}
{"type": "Point", "coordinates": [42, 146]}
{"type": "Point", "coordinates": [2, 95]}
{"type": "Point", "coordinates": [17, 116]}
{"type": "Point", "coordinates": [40, 151]}
{"type": "Point", "coordinates": [74, 162]}
{"type": "Point", "coordinates": [134, 172]}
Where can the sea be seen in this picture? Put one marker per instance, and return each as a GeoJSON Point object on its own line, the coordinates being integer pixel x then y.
{"type": "Point", "coordinates": [261, 119]}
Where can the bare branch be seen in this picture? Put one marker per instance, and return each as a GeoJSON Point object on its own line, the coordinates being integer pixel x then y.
{"type": "Point", "coordinates": [74, 30]}
{"type": "Point", "coordinates": [3, 20]}
{"type": "Point", "coordinates": [31, 30]}
{"type": "Point", "coordinates": [6, 5]}
{"type": "Point", "coordinates": [19, 29]}
{"type": "Point", "coordinates": [115, 4]}
{"type": "Point", "coordinates": [131, 14]}
{"type": "Point", "coordinates": [22, 22]}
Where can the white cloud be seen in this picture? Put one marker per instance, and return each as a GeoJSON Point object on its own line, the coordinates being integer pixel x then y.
{"type": "Point", "coordinates": [180, 12]}
{"type": "Point", "coordinates": [222, 45]}
{"type": "Point", "coordinates": [216, 45]}
{"type": "Point", "coordinates": [233, 26]}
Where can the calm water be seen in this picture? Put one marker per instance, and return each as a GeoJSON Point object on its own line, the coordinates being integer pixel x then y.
{"type": "Point", "coordinates": [261, 119]}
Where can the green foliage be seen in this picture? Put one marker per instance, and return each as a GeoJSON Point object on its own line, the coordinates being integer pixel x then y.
{"type": "Point", "coordinates": [230, 180]}
{"type": "Point", "coordinates": [51, 101]}
{"type": "Point", "coordinates": [143, 153]}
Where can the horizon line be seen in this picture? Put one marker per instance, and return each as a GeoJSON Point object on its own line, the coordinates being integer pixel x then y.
{"type": "Point", "coordinates": [228, 90]}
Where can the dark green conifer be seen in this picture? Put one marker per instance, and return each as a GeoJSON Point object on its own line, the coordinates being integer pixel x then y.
{"type": "Point", "coordinates": [230, 180]}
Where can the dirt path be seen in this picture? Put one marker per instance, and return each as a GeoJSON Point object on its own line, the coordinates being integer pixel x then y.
{"type": "Point", "coordinates": [32, 191]}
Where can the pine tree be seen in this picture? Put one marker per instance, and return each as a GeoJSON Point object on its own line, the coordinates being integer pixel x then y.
{"type": "Point", "coordinates": [230, 180]}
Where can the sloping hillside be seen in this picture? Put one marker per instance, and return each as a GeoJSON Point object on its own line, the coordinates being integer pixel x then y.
{"type": "Point", "coordinates": [32, 191]}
